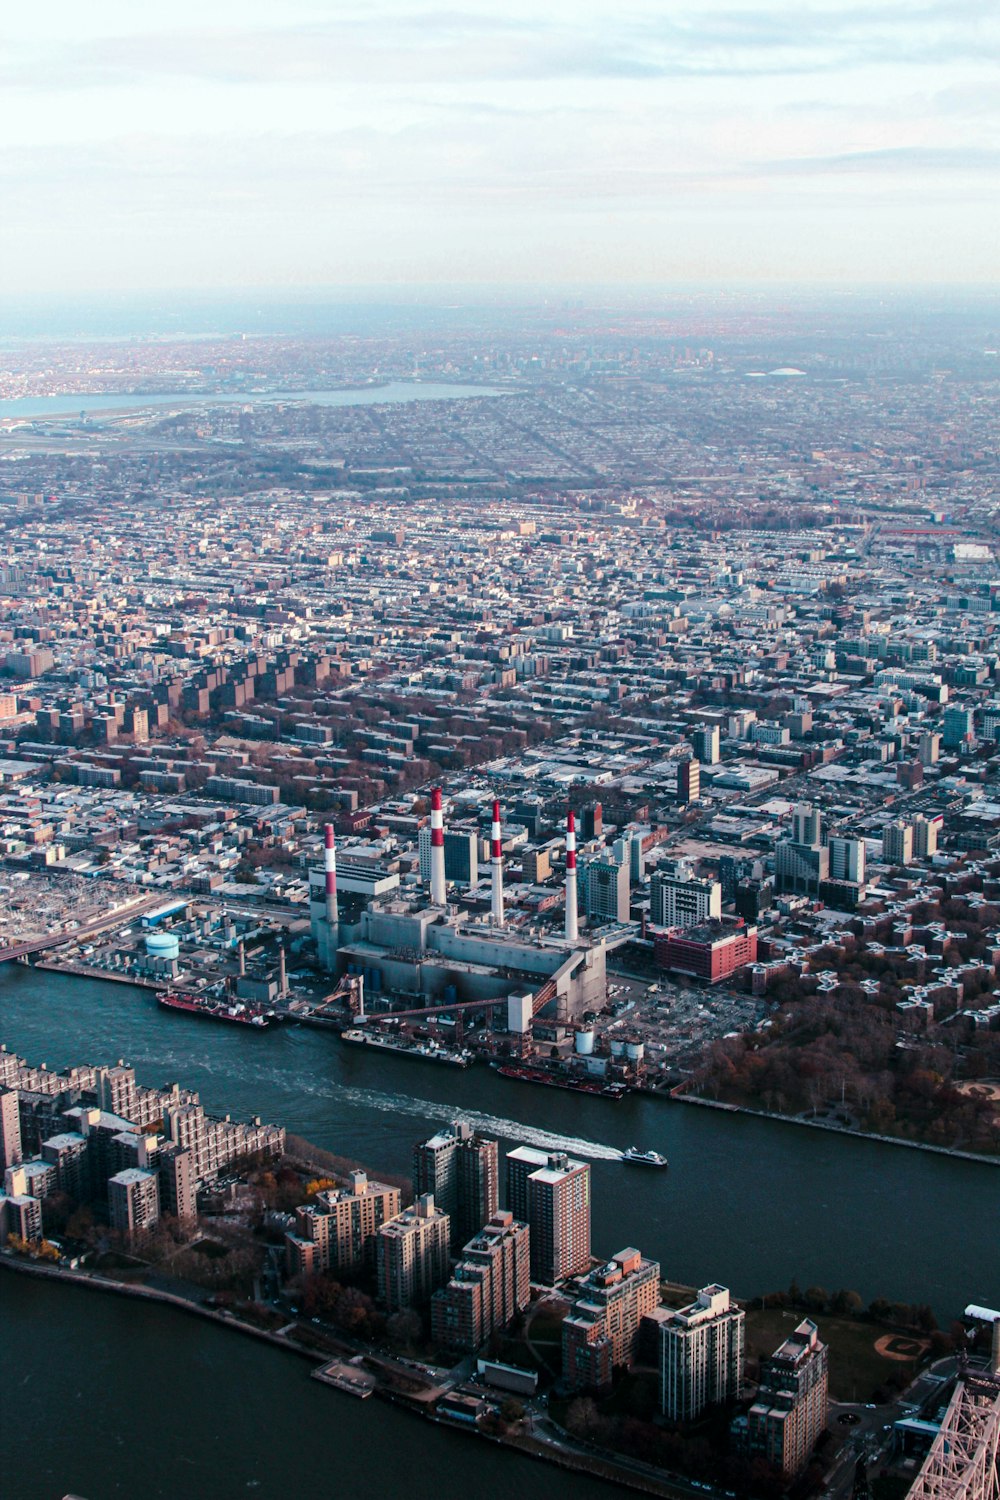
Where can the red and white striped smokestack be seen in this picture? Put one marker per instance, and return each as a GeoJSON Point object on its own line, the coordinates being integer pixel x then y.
{"type": "Point", "coordinates": [330, 866]}
{"type": "Point", "coordinates": [571, 927]}
{"type": "Point", "coordinates": [496, 868]}
{"type": "Point", "coordinates": [438, 892]}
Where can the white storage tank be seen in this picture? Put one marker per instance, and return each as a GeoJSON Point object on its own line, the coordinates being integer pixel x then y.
{"type": "Point", "coordinates": [617, 1049]}
{"type": "Point", "coordinates": [584, 1042]}
{"type": "Point", "coordinates": [634, 1051]}
{"type": "Point", "coordinates": [162, 945]}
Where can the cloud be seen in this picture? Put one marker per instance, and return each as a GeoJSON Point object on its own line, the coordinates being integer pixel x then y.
{"type": "Point", "coordinates": [891, 159]}
{"type": "Point", "coordinates": [434, 48]}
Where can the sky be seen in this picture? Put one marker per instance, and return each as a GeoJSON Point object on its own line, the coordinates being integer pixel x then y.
{"type": "Point", "coordinates": [301, 143]}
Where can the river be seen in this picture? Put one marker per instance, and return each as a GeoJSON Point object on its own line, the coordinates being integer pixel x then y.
{"type": "Point", "coordinates": [115, 1399]}
{"type": "Point", "coordinates": [750, 1203]}
{"type": "Point", "coordinates": [393, 393]}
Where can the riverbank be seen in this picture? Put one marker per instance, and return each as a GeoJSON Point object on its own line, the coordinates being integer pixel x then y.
{"type": "Point", "coordinates": [859, 1135]}
{"type": "Point", "coordinates": [555, 1450]}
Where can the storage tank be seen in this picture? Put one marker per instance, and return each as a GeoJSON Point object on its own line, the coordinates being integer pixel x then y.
{"type": "Point", "coordinates": [617, 1049]}
{"type": "Point", "coordinates": [162, 945]}
{"type": "Point", "coordinates": [634, 1051]}
{"type": "Point", "coordinates": [584, 1042]}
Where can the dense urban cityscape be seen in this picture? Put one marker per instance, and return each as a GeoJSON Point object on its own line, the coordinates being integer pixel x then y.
{"type": "Point", "coordinates": [599, 705]}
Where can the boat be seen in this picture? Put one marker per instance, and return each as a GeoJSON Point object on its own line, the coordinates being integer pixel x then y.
{"type": "Point", "coordinates": [429, 1051]}
{"type": "Point", "coordinates": [554, 1080]}
{"type": "Point", "coordinates": [235, 1012]}
{"type": "Point", "coordinates": [638, 1158]}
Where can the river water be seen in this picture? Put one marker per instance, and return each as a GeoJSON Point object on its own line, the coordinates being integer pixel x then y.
{"type": "Point", "coordinates": [749, 1203]}
{"type": "Point", "coordinates": [391, 394]}
{"type": "Point", "coordinates": [114, 1399]}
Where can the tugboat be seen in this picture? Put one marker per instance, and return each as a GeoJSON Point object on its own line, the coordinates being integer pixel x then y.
{"type": "Point", "coordinates": [637, 1158]}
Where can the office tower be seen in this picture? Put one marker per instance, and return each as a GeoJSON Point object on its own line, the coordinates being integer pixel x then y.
{"type": "Point", "coordinates": [601, 1330]}
{"type": "Point", "coordinates": [897, 843]}
{"type": "Point", "coordinates": [411, 1255]}
{"type": "Point", "coordinates": [461, 1170]}
{"type": "Point", "coordinates": [956, 727]}
{"type": "Point", "coordinates": [847, 859]}
{"type": "Point", "coordinates": [133, 1201]}
{"type": "Point", "coordinates": [490, 1284]}
{"type": "Point", "coordinates": [336, 1232]}
{"type": "Point", "coordinates": [732, 869]}
{"type": "Point", "coordinates": [461, 856]}
{"type": "Point", "coordinates": [678, 898]}
{"type": "Point", "coordinates": [790, 1411]}
{"type": "Point", "coordinates": [925, 836]}
{"type": "Point", "coordinates": [701, 1355]}
{"type": "Point", "coordinates": [929, 749]}
{"type": "Point", "coordinates": [608, 890]}
{"type": "Point", "coordinates": [592, 821]}
{"type": "Point", "coordinates": [705, 744]}
{"type": "Point", "coordinates": [551, 1194]}
{"type": "Point", "coordinates": [10, 1129]}
{"type": "Point", "coordinates": [688, 781]}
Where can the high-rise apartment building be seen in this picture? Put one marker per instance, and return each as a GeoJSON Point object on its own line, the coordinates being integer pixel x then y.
{"type": "Point", "coordinates": [133, 1201]}
{"type": "Point", "coordinates": [705, 744]}
{"type": "Point", "coordinates": [490, 1284]}
{"type": "Point", "coordinates": [929, 748]}
{"type": "Point", "coordinates": [461, 1169]}
{"type": "Point", "coordinates": [925, 835]}
{"type": "Point", "coordinates": [600, 1332]}
{"type": "Point", "coordinates": [801, 862]}
{"type": "Point", "coordinates": [337, 1231]}
{"type": "Point", "coordinates": [847, 859]}
{"type": "Point", "coordinates": [897, 842]}
{"type": "Point", "coordinates": [790, 1411]}
{"type": "Point", "coordinates": [551, 1194]}
{"type": "Point", "coordinates": [10, 1129]}
{"type": "Point", "coordinates": [678, 898]}
{"type": "Point", "coordinates": [411, 1255]}
{"type": "Point", "coordinates": [701, 1355]}
{"type": "Point", "coordinates": [688, 781]}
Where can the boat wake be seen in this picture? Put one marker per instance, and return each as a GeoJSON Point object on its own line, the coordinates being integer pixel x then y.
{"type": "Point", "coordinates": [297, 1087]}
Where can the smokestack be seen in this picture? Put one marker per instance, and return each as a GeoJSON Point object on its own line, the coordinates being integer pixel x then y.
{"type": "Point", "coordinates": [242, 952]}
{"type": "Point", "coordinates": [361, 997]}
{"type": "Point", "coordinates": [330, 866]}
{"type": "Point", "coordinates": [282, 977]}
{"type": "Point", "coordinates": [438, 892]}
{"type": "Point", "coordinates": [496, 869]}
{"type": "Point", "coordinates": [571, 929]}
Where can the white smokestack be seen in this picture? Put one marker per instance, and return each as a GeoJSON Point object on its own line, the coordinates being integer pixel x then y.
{"type": "Point", "coordinates": [571, 920]}
{"type": "Point", "coordinates": [438, 891]}
{"type": "Point", "coordinates": [496, 869]}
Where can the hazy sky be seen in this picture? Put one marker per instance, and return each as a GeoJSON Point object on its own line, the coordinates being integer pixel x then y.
{"type": "Point", "coordinates": [202, 143]}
